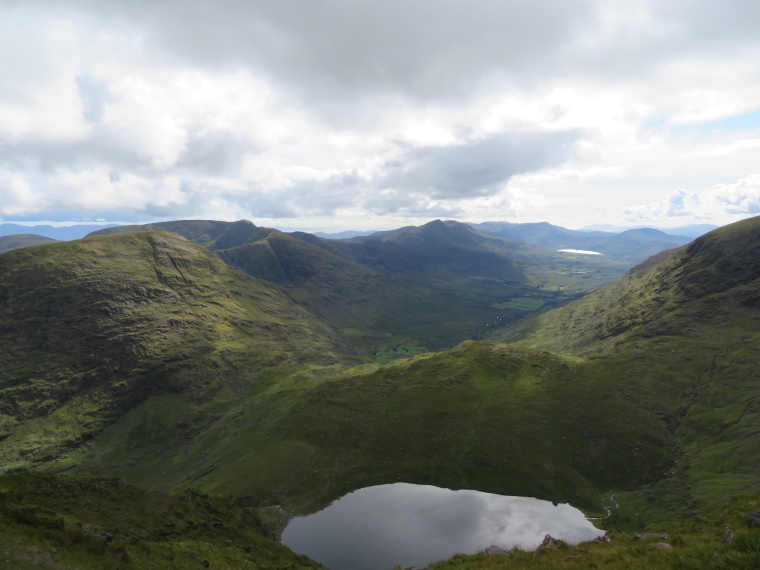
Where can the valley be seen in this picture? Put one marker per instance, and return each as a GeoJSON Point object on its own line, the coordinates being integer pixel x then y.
{"type": "Point", "coordinates": [287, 369]}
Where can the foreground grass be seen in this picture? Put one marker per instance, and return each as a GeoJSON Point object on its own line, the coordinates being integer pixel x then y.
{"type": "Point", "coordinates": [696, 543]}
{"type": "Point", "coordinates": [51, 521]}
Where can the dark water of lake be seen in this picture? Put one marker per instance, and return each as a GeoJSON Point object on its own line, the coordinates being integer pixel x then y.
{"type": "Point", "coordinates": [411, 525]}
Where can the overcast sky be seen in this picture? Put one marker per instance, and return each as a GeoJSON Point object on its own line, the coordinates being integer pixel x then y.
{"type": "Point", "coordinates": [364, 114]}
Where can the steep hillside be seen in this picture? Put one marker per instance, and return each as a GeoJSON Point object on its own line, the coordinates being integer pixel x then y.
{"type": "Point", "coordinates": [17, 241]}
{"type": "Point", "coordinates": [90, 329]}
{"type": "Point", "coordinates": [481, 416]}
{"type": "Point", "coordinates": [686, 324]}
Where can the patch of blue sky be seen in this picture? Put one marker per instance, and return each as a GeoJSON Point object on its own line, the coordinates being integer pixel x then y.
{"type": "Point", "coordinates": [657, 123]}
{"type": "Point", "coordinates": [745, 121]}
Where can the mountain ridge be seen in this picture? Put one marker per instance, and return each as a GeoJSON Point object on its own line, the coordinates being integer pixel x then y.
{"type": "Point", "coordinates": [100, 325]}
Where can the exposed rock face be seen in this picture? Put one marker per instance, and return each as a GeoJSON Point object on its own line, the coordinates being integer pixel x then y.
{"type": "Point", "coordinates": [494, 550]}
{"type": "Point", "coordinates": [753, 521]}
{"type": "Point", "coordinates": [551, 542]}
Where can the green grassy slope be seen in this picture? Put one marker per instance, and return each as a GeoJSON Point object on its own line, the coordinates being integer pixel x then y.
{"type": "Point", "coordinates": [50, 521]}
{"type": "Point", "coordinates": [482, 416]}
{"type": "Point", "coordinates": [687, 324]}
{"type": "Point", "coordinates": [92, 328]}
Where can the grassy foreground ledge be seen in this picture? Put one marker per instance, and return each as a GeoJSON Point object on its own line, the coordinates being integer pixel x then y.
{"type": "Point", "coordinates": [54, 521]}
{"type": "Point", "coordinates": [696, 543]}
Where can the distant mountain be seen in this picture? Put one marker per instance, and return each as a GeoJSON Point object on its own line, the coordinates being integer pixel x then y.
{"type": "Point", "coordinates": [397, 284]}
{"type": "Point", "coordinates": [632, 245]}
{"type": "Point", "coordinates": [343, 235]}
{"type": "Point", "coordinates": [17, 241]}
{"type": "Point", "coordinates": [449, 246]}
{"type": "Point", "coordinates": [692, 231]}
{"type": "Point", "coordinates": [543, 234]}
{"type": "Point", "coordinates": [64, 233]}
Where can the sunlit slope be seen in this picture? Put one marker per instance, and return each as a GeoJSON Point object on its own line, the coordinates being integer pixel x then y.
{"type": "Point", "coordinates": [430, 286]}
{"type": "Point", "coordinates": [687, 324]}
{"type": "Point", "coordinates": [687, 292]}
{"type": "Point", "coordinates": [90, 329]}
{"type": "Point", "coordinates": [481, 416]}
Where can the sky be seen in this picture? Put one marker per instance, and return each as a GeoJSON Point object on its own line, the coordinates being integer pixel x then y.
{"type": "Point", "coordinates": [364, 114]}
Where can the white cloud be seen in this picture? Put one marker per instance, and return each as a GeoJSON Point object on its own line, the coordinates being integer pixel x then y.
{"type": "Point", "coordinates": [741, 199]}
{"type": "Point", "coordinates": [742, 145]}
{"type": "Point", "coordinates": [547, 109]}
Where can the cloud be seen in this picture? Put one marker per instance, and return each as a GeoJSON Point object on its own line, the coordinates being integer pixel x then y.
{"type": "Point", "coordinates": [475, 168]}
{"type": "Point", "coordinates": [741, 198]}
{"type": "Point", "coordinates": [429, 49]}
{"type": "Point", "coordinates": [253, 108]}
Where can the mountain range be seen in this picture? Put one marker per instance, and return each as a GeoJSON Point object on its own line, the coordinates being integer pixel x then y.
{"type": "Point", "coordinates": [236, 359]}
{"type": "Point", "coordinates": [62, 233]}
{"type": "Point", "coordinates": [633, 245]}
{"type": "Point", "coordinates": [389, 290]}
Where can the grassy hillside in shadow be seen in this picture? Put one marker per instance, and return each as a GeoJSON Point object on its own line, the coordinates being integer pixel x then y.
{"type": "Point", "coordinates": [481, 416]}
{"type": "Point", "coordinates": [18, 241]}
{"type": "Point", "coordinates": [51, 521]}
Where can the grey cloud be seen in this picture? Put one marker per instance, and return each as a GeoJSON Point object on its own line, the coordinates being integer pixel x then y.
{"type": "Point", "coordinates": [430, 180]}
{"type": "Point", "coordinates": [674, 30]}
{"type": "Point", "coordinates": [480, 168]}
{"type": "Point", "coordinates": [426, 50]}
{"type": "Point", "coordinates": [322, 197]}
{"type": "Point", "coordinates": [207, 153]}
{"type": "Point", "coordinates": [705, 25]}
{"type": "Point", "coordinates": [268, 205]}
{"type": "Point", "coordinates": [429, 49]}
{"type": "Point", "coordinates": [214, 152]}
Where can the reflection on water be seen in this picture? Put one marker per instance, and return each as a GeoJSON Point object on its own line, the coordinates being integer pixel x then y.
{"type": "Point", "coordinates": [412, 525]}
{"type": "Point", "coordinates": [581, 251]}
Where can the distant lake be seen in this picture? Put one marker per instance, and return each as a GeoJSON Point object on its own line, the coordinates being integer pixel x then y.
{"type": "Point", "coordinates": [581, 251]}
{"type": "Point", "coordinates": [412, 525]}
